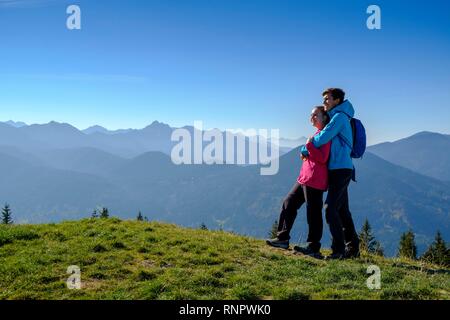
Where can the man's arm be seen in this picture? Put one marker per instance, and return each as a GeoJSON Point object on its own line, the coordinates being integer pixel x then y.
{"type": "Point", "coordinates": [331, 130]}
{"type": "Point", "coordinates": [304, 151]}
{"type": "Point", "coordinates": [319, 155]}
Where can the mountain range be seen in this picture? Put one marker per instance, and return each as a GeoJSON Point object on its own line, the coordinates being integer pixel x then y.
{"type": "Point", "coordinates": [55, 172]}
{"type": "Point", "coordinates": [425, 152]}
{"type": "Point", "coordinates": [127, 143]}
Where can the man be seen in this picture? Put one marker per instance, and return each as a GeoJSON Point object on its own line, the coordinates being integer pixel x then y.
{"type": "Point", "coordinates": [345, 242]}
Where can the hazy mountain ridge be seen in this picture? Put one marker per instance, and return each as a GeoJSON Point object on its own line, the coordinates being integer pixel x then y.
{"type": "Point", "coordinates": [425, 152]}
{"type": "Point", "coordinates": [17, 124]}
{"type": "Point", "coordinates": [126, 143]}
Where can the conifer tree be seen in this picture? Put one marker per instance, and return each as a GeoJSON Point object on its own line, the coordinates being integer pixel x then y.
{"type": "Point", "coordinates": [140, 217]}
{"type": "Point", "coordinates": [104, 213]}
{"type": "Point", "coordinates": [367, 242]}
{"type": "Point", "coordinates": [407, 246]}
{"type": "Point", "coordinates": [6, 215]}
{"type": "Point", "coordinates": [438, 252]}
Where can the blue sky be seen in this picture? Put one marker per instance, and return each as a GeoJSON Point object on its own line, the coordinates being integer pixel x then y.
{"type": "Point", "coordinates": [232, 64]}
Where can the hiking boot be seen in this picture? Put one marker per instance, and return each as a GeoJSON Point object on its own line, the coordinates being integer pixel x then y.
{"type": "Point", "coordinates": [307, 251]}
{"type": "Point", "coordinates": [335, 256]}
{"type": "Point", "coordinates": [277, 243]}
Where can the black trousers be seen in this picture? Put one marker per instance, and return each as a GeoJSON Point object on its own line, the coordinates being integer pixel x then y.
{"type": "Point", "coordinates": [293, 201]}
{"type": "Point", "coordinates": [337, 211]}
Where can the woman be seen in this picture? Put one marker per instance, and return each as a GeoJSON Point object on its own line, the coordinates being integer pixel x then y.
{"type": "Point", "coordinates": [309, 188]}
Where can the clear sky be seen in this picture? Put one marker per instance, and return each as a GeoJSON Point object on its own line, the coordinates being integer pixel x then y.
{"type": "Point", "coordinates": [231, 63]}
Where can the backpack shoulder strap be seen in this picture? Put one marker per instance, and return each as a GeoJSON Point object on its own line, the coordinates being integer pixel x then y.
{"type": "Point", "coordinates": [341, 136]}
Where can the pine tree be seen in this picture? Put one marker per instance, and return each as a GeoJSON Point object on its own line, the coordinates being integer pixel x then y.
{"type": "Point", "coordinates": [366, 238]}
{"type": "Point", "coordinates": [6, 215]}
{"type": "Point", "coordinates": [273, 233]}
{"type": "Point", "coordinates": [94, 214]}
{"type": "Point", "coordinates": [367, 242]}
{"type": "Point", "coordinates": [407, 247]}
{"type": "Point", "coordinates": [203, 226]}
{"type": "Point", "coordinates": [104, 213]}
{"type": "Point", "coordinates": [438, 252]}
{"type": "Point", "coordinates": [140, 217]}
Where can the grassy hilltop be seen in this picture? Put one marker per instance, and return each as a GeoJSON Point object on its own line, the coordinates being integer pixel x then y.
{"type": "Point", "coordinates": [149, 260]}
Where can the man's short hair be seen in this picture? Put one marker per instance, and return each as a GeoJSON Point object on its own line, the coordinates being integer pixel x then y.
{"type": "Point", "coordinates": [336, 93]}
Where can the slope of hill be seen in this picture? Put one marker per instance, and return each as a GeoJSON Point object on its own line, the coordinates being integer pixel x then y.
{"type": "Point", "coordinates": [427, 153]}
{"type": "Point", "coordinates": [149, 260]}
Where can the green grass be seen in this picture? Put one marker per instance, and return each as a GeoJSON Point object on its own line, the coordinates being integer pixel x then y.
{"type": "Point", "coordinates": [148, 260]}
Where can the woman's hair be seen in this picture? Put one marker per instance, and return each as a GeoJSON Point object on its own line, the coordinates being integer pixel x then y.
{"type": "Point", "coordinates": [326, 116]}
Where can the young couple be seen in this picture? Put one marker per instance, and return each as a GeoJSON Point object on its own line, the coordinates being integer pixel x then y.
{"type": "Point", "coordinates": [327, 165]}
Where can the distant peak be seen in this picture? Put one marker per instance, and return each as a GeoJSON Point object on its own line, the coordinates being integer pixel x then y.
{"type": "Point", "coordinates": [428, 135]}
{"type": "Point", "coordinates": [60, 124]}
{"type": "Point", "coordinates": [54, 125]}
{"type": "Point", "coordinates": [423, 133]}
{"type": "Point", "coordinates": [16, 124]}
{"type": "Point", "coordinates": [157, 124]}
{"type": "Point", "coordinates": [97, 127]}
{"type": "Point", "coordinates": [94, 129]}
